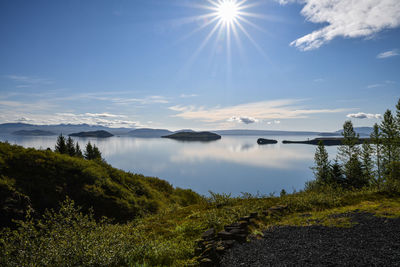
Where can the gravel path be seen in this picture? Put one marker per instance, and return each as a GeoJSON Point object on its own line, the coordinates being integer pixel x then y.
{"type": "Point", "coordinates": [372, 242]}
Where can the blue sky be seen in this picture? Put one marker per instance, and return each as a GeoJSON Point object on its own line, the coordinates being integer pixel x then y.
{"type": "Point", "coordinates": [296, 65]}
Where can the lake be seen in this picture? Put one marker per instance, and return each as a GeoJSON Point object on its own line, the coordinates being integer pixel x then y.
{"type": "Point", "coordinates": [234, 164]}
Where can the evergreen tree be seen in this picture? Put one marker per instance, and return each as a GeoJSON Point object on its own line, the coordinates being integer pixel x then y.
{"type": "Point", "coordinates": [89, 151]}
{"type": "Point", "coordinates": [349, 148]}
{"type": "Point", "coordinates": [367, 162]}
{"type": "Point", "coordinates": [321, 168]}
{"type": "Point", "coordinates": [61, 146]}
{"type": "Point", "coordinates": [92, 152]}
{"type": "Point", "coordinates": [376, 149]}
{"type": "Point", "coordinates": [78, 151]}
{"type": "Point", "coordinates": [336, 174]}
{"type": "Point", "coordinates": [96, 153]}
{"type": "Point", "coordinates": [70, 146]}
{"type": "Point", "coordinates": [389, 139]}
{"type": "Point", "coordinates": [354, 173]}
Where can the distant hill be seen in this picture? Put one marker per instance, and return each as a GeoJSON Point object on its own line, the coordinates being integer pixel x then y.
{"type": "Point", "coordinates": [33, 133]}
{"type": "Point", "coordinates": [362, 131]}
{"type": "Point", "coordinates": [263, 132]}
{"type": "Point", "coordinates": [9, 128]}
{"type": "Point", "coordinates": [194, 136]}
{"type": "Point", "coordinates": [149, 133]}
{"type": "Point", "coordinates": [98, 134]}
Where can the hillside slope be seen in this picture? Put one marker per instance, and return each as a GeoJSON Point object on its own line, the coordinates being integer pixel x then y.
{"type": "Point", "coordinates": [43, 179]}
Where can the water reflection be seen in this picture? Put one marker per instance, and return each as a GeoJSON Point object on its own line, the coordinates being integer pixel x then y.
{"type": "Point", "coordinates": [231, 165]}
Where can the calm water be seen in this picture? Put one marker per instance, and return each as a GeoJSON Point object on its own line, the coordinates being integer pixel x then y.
{"type": "Point", "coordinates": [233, 164]}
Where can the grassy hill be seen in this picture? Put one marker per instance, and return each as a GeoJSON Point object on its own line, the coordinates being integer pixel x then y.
{"type": "Point", "coordinates": [43, 179]}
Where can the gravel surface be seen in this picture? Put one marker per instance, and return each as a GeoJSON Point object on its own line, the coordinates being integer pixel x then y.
{"type": "Point", "coordinates": [372, 242]}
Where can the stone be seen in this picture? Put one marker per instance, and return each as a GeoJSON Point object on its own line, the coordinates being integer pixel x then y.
{"type": "Point", "coordinates": [229, 243]}
{"type": "Point", "coordinates": [238, 231]}
{"type": "Point", "coordinates": [209, 234]}
{"type": "Point", "coordinates": [224, 235]}
{"type": "Point", "coordinates": [245, 218]}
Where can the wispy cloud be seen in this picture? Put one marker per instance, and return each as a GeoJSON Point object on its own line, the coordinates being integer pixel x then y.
{"type": "Point", "coordinates": [383, 84]}
{"type": "Point", "coordinates": [188, 95]}
{"type": "Point", "coordinates": [362, 115]}
{"type": "Point", "coordinates": [110, 120]}
{"type": "Point", "coordinates": [386, 54]}
{"type": "Point", "coordinates": [28, 80]}
{"type": "Point", "coordinates": [143, 101]}
{"type": "Point", "coordinates": [265, 110]}
{"type": "Point", "coordinates": [346, 18]}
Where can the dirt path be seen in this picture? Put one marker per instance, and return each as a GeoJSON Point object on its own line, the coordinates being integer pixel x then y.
{"type": "Point", "coordinates": [373, 241]}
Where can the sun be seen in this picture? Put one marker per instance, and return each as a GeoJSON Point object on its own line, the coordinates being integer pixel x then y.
{"type": "Point", "coordinates": [228, 11]}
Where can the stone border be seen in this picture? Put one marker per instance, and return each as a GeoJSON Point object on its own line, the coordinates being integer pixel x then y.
{"type": "Point", "coordinates": [212, 245]}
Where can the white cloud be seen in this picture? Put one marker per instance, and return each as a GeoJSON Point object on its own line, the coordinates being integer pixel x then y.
{"type": "Point", "coordinates": [28, 80]}
{"type": "Point", "coordinates": [104, 115]}
{"type": "Point", "coordinates": [346, 18]}
{"type": "Point", "coordinates": [265, 110]}
{"type": "Point", "coordinates": [386, 54]}
{"type": "Point", "coordinates": [245, 120]}
{"type": "Point", "coordinates": [188, 95]}
{"type": "Point", "coordinates": [362, 115]}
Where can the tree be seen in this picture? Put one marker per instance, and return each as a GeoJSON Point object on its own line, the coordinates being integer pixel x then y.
{"type": "Point", "coordinates": [321, 168]}
{"type": "Point", "coordinates": [96, 153]}
{"type": "Point", "coordinates": [70, 146]}
{"type": "Point", "coordinates": [92, 152]}
{"type": "Point", "coordinates": [78, 151]}
{"type": "Point", "coordinates": [376, 149]}
{"type": "Point", "coordinates": [336, 174]}
{"type": "Point", "coordinates": [61, 146]}
{"type": "Point", "coordinates": [354, 173]}
{"type": "Point", "coordinates": [349, 148]}
{"type": "Point", "coordinates": [389, 138]}
{"type": "Point", "coordinates": [367, 162]}
{"type": "Point", "coordinates": [89, 151]}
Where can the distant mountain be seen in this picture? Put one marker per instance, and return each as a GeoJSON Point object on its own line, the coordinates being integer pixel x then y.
{"type": "Point", "coordinates": [194, 136]}
{"type": "Point", "coordinates": [362, 131]}
{"type": "Point", "coordinates": [263, 132]}
{"type": "Point", "coordinates": [33, 133]}
{"type": "Point", "coordinates": [98, 134]}
{"type": "Point", "coordinates": [149, 133]}
{"type": "Point", "coordinates": [9, 128]}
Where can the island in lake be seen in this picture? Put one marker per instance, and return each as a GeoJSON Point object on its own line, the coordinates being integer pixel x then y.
{"type": "Point", "coordinates": [98, 134]}
{"type": "Point", "coordinates": [194, 136]}
{"type": "Point", "coordinates": [326, 141]}
{"type": "Point", "coordinates": [33, 133]}
{"type": "Point", "coordinates": [263, 141]}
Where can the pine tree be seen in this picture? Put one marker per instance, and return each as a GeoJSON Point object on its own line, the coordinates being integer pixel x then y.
{"type": "Point", "coordinates": [321, 168]}
{"type": "Point", "coordinates": [70, 146]}
{"type": "Point", "coordinates": [336, 174]}
{"type": "Point", "coordinates": [96, 153]}
{"type": "Point", "coordinates": [349, 148]}
{"type": "Point", "coordinates": [376, 149]}
{"type": "Point", "coordinates": [89, 151]}
{"type": "Point", "coordinates": [61, 146]}
{"type": "Point", "coordinates": [367, 162]}
{"type": "Point", "coordinates": [389, 139]}
{"type": "Point", "coordinates": [354, 173]}
{"type": "Point", "coordinates": [78, 151]}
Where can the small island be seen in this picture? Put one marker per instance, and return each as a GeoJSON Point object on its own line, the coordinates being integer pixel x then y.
{"type": "Point", "coordinates": [326, 141]}
{"type": "Point", "coordinates": [194, 136]}
{"type": "Point", "coordinates": [33, 133]}
{"type": "Point", "coordinates": [97, 134]}
{"type": "Point", "coordinates": [263, 141]}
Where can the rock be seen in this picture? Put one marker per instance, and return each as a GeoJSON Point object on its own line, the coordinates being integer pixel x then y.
{"type": "Point", "coordinates": [262, 141]}
{"type": "Point", "coordinates": [209, 234]}
{"type": "Point", "coordinates": [206, 262]}
{"type": "Point", "coordinates": [229, 243]}
{"type": "Point", "coordinates": [224, 235]}
{"type": "Point", "coordinates": [238, 231]}
{"type": "Point", "coordinates": [245, 218]}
